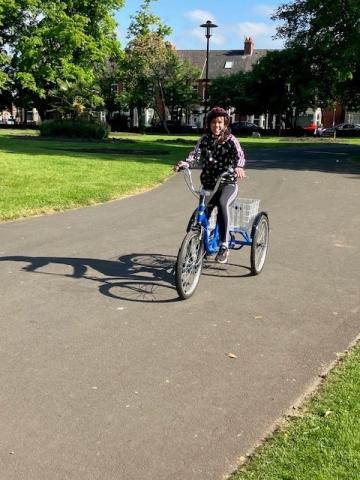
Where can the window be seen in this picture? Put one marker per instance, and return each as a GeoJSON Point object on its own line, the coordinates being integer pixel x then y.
{"type": "Point", "coordinates": [228, 64]}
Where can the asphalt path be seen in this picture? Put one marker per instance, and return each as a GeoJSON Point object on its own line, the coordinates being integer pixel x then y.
{"type": "Point", "coordinates": [106, 375]}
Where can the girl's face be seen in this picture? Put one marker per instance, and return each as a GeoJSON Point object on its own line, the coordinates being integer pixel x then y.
{"type": "Point", "coordinates": [217, 125]}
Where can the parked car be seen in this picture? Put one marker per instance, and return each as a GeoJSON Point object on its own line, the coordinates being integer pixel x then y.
{"type": "Point", "coordinates": [343, 129]}
{"type": "Point", "coordinates": [310, 128]}
{"type": "Point", "coordinates": [246, 128]}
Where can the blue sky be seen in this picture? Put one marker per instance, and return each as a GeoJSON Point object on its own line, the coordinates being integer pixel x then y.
{"type": "Point", "coordinates": [235, 19]}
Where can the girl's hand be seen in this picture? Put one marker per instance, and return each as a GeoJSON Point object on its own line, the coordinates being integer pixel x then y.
{"type": "Point", "coordinates": [180, 165]}
{"type": "Point", "coordinates": [240, 172]}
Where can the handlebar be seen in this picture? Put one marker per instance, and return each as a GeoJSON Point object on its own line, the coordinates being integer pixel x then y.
{"type": "Point", "coordinates": [198, 193]}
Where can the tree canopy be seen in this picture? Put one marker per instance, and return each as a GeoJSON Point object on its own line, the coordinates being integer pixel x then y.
{"type": "Point", "coordinates": [153, 74]}
{"type": "Point", "coordinates": [54, 47]}
{"type": "Point", "coordinates": [329, 34]}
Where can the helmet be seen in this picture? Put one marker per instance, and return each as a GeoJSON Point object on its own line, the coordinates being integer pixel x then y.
{"type": "Point", "coordinates": [217, 112]}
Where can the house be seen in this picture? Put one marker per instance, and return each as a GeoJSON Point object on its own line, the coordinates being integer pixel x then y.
{"type": "Point", "coordinates": [229, 62]}
{"type": "Point", "coordinates": [223, 63]}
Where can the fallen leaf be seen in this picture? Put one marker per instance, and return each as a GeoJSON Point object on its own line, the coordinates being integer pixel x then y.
{"type": "Point", "coordinates": [232, 355]}
{"type": "Point", "coordinates": [327, 413]}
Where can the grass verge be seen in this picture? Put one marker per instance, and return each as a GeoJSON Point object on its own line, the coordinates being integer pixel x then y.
{"type": "Point", "coordinates": [323, 443]}
{"type": "Point", "coordinates": [40, 176]}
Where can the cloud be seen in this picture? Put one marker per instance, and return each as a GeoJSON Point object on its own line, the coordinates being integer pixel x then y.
{"type": "Point", "coordinates": [200, 16]}
{"type": "Point", "coordinates": [254, 29]}
{"type": "Point", "coordinates": [261, 33]}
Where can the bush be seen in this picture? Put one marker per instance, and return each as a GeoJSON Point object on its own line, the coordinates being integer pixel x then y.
{"type": "Point", "coordinates": [119, 123]}
{"type": "Point", "coordinates": [74, 128]}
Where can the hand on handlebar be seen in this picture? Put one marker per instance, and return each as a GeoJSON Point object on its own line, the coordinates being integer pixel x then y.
{"type": "Point", "coordinates": [181, 165]}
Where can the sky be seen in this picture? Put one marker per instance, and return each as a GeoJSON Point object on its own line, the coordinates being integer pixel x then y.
{"type": "Point", "coordinates": [236, 19]}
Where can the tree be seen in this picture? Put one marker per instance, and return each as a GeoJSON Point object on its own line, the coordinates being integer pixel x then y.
{"type": "Point", "coordinates": [329, 33]}
{"type": "Point", "coordinates": [180, 88]}
{"type": "Point", "coordinates": [146, 58]}
{"type": "Point", "coordinates": [109, 86]}
{"type": "Point", "coordinates": [283, 84]}
{"type": "Point", "coordinates": [234, 91]}
{"type": "Point", "coordinates": [280, 83]}
{"type": "Point", "coordinates": [153, 74]}
{"type": "Point", "coordinates": [53, 42]}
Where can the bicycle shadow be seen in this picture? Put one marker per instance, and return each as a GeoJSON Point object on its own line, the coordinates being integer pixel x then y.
{"type": "Point", "coordinates": [138, 277]}
{"type": "Point", "coordinates": [133, 277]}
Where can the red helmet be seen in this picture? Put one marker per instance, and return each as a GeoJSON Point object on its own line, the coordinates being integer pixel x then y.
{"type": "Point", "coordinates": [217, 112]}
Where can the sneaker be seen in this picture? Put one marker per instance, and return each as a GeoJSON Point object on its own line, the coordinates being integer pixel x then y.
{"type": "Point", "coordinates": [222, 255]}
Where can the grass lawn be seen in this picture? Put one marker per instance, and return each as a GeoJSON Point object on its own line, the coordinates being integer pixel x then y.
{"type": "Point", "coordinates": [321, 444]}
{"type": "Point", "coordinates": [40, 176]}
{"type": "Point", "coordinates": [44, 175]}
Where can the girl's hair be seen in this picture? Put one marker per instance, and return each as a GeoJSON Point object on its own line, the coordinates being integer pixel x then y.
{"type": "Point", "coordinates": [219, 112]}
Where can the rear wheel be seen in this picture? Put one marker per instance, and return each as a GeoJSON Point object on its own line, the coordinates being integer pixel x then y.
{"type": "Point", "coordinates": [189, 264]}
{"type": "Point", "coordinates": [260, 242]}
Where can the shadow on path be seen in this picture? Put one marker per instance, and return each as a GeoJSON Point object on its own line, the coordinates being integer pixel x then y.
{"type": "Point", "coordinates": [138, 277]}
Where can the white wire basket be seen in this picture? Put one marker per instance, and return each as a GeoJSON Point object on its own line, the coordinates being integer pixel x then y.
{"type": "Point", "coordinates": [242, 212]}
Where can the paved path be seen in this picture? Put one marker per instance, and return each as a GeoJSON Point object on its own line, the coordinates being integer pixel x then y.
{"type": "Point", "coordinates": [105, 375]}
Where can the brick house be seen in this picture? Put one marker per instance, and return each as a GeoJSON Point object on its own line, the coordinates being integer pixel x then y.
{"type": "Point", "coordinates": [229, 62]}
{"type": "Point", "coordinates": [222, 62]}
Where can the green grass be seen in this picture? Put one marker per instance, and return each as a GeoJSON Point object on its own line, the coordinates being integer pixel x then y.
{"type": "Point", "coordinates": [39, 176]}
{"type": "Point", "coordinates": [323, 443]}
{"type": "Point", "coordinates": [43, 175]}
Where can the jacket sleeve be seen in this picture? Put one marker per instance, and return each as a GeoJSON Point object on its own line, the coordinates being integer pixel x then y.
{"type": "Point", "coordinates": [239, 157]}
{"type": "Point", "coordinates": [194, 157]}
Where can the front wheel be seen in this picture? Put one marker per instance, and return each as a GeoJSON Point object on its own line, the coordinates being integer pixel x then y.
{"type": "Point", "coordinates": [189, 264]}
{"type": "Point", "coordinates": [260, 242]}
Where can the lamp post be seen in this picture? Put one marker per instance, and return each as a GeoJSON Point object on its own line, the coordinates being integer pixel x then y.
{"type": "Point", "coordinates": [208, 25]}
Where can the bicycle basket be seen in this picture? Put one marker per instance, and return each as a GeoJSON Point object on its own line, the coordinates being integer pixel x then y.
{"type": "Point", "coordinates": [242, 212]}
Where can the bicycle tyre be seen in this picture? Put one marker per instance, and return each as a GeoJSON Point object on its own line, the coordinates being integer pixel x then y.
{"type": "Point", "coordinates": [189, 264]}
{"type": "Point", "coordinates": [260, 242]}
{"type": "Point", "coordinates": [192, 222]}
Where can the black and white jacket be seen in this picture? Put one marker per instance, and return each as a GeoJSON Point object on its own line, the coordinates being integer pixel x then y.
{"type": "Point", "coordinates": [216, 158]}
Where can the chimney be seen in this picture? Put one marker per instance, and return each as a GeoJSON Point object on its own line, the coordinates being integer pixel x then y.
{"type": "Point", "coordinates": [248, 46]}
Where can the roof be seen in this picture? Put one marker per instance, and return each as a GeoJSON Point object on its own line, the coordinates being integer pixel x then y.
{"type": "Point", "coordinates": [218, 58]}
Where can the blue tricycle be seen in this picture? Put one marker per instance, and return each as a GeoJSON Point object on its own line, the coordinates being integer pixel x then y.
{"type": "Point", "coordinates": [248, 227]}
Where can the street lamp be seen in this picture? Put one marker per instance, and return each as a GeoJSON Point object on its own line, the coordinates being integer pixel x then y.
{"type": "Point", "coordinates": [208, 25]}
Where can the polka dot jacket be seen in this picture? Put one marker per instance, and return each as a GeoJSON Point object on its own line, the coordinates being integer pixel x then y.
{"type": "Point", "coordinates": [215, 158]}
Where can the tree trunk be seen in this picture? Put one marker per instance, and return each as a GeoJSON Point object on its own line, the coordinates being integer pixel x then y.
{"type": "Point", "coordinates": [162, 114]}
{"type": "Point", "coordinates": [131, 125]}
{"type": "Point", "coordinates": [141, 120]}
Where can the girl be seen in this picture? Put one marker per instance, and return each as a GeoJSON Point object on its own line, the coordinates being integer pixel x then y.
{"type": "Point", "coordinates": [218, 150]}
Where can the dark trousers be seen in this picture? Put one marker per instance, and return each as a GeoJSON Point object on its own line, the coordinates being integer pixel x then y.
{"type": "Point", "coordinates": [222, 199]}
